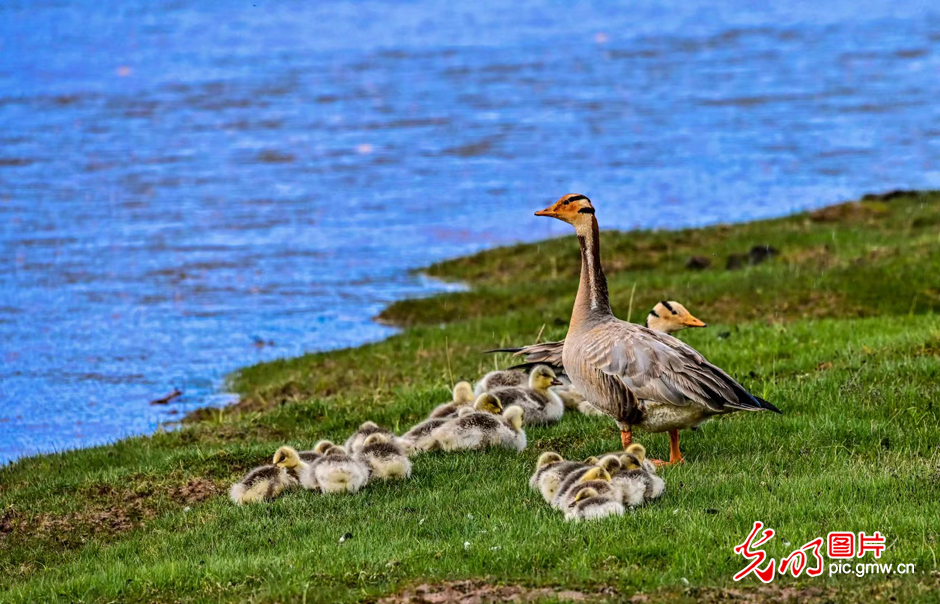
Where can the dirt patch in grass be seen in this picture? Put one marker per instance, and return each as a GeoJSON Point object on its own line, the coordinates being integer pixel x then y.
{"type": "Point", "coordinates": [852, 211]}
{"type": "Point", "coordinates": [480, 592]}
{"type": "Point", "coordinates": [108, 512]}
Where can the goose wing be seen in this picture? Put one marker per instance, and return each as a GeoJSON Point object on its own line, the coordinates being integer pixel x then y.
{"type": "Point", "coordinates": [546, 353]}
{"type": "Point", "coordinates": [659, 367]}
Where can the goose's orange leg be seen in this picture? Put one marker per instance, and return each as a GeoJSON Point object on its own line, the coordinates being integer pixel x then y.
{"type": "Point", "coordinates": [675, 455]}
{"type": "Point", "coordinates": [626, 437]}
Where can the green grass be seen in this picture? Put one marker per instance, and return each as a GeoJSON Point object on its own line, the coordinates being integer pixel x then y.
{"type": "Point", "coordinates": [839, 331]}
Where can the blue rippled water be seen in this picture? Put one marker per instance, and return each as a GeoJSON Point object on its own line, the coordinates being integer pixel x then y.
{"type": "Point", "coordinates": [189, 187]}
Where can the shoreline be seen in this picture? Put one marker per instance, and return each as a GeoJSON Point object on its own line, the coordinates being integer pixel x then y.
{"type": "Point", "coordinates": [839, 329]}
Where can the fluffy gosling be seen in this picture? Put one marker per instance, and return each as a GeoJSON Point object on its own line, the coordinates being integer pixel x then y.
{"type": "Point", "coordinates": [355, 441]}
{"type": "Point", "coordinates": [337, 472]}
{"type": "Point", "coordinates": [261, 484]}
{"type": "Point", "coordinates": [589, 504]}
{"type": "Point", "coordinates": [634, 475]}
{"type": "Point", "coordinates": [508, 378]}
{"type": "Point", "coordinates": [463, 396]}
{"type": "Point", "coordinates": [297, 466]}
{"type": "Point", "coordinates": [550, 470]}
{"type": "Point", "coordinates": [385, 459]}
{"type": "Point", "coordinates": [540, 403]}
{"type": "Point", "coordinates": [479, 430]}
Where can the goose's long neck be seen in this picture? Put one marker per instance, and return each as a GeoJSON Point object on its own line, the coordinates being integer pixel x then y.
{"type": "Point", "coordinates": [593, 301]}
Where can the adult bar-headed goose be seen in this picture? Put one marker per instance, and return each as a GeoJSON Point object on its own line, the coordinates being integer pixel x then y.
{"type": "Point", "coordinates": [666, 317]}
{"type": "Point", "coordinates": [637, 376]}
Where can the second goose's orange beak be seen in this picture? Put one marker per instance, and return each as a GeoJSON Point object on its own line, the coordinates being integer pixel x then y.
{"type": "Point", "coordinates": [691, 321]}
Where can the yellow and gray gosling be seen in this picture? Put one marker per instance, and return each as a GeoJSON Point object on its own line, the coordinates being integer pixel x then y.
{"type": "Point", "coordinates": [550, 470]}
{"type": "Point", "coordinates": [570, 482]}
{"type": "Point", "coordinates": [485, 403]}
{"type": "Point", "coordinates": [479, 430]}
{"type": "Point", "coordinates": [420, 432]}
{"type": "Point", "coordinates": [297, 466]}
{"type": "Point", "coordinates": [463, 397]}
{"type": "Point", "coordinates": [385, 459]}
{"type": "Point", "coordinates": [508, 378]}
{"type": "Point", "coordinates": [589, 504]}
{"type": "Point", "coordinates": [337, 472]}
{"type": "Point", "coordinates": [261, 484]}
{"type": "Point", "coordinates": [540, 403]}
{"type": "Point", "coordinates": [357, 438]}
{"type": "Point", "coordinates": [597, 479]}
{"type": "Point", "coordinates": [634, 475]}
{"type": "Point", "coordinates": [321, 446]}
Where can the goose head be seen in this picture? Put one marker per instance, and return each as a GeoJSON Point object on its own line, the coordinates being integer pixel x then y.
{"type": "Point", "coordinates": [669, 317]}
{"type": "Point", "coordinates": [542, 378]}
{"type": "Point", "coordinates": [573, 208]}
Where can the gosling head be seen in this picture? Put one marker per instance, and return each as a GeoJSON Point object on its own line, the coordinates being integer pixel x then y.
{"type": "Point", "coordinates": [611, 463]}
{"type": "Point", "coordinates": [591, 461]}
{"type": "Point", "coordinates": [334, 450]}
{"type": "Point", "coordinates": [369, 426]}
{"type": "Point", "coordinates": [629, 461]}
{"type": "Point", "coordinates": [595, 473]}
{"type": "Point", "coordinates": [670, 317]}
{"type": "Point", "coordinates": [513, 415]}
{"type": "Point", "coordinates": [573, 208]}
{"type": "Point", "coordinates": [585, 493]}
{"type": "Point", "coordinates": [322, 446]}
{"type": "Point", "coordinates": [542, 378]}
{"type": "Point", "coordinates": [548, 458]}
{"type": "Point", "coordinates": [637, 450]}
{"type": "Point", "coordinates": [488, 403]}
{"type": "Point", "coordinates": [463, 393]}
{"type": "Point", "coordinates": [286, 457]}
{"type": "Point", "coordinates": [376, 438]}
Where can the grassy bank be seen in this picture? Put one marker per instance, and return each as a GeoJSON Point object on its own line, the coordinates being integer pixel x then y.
{"type": "Point", "coordinates": [839, 330]}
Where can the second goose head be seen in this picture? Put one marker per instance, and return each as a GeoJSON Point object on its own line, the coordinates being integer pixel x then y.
{"type": "Point", "coordinates": [670, 317]}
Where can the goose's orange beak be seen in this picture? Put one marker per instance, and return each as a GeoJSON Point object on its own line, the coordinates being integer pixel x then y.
{"type": "Point", "coordinates": [549, 211]}
{"type": "Point", "coordinates": [691, 321]}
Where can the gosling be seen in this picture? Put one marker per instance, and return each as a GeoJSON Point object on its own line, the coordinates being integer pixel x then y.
{"type": "Point", "coordinates": [355, 441]}
{"type": "Point", "coordinates": [589, 504]}
{"type": "Point", "coordinates": [261, 484]}
{"type": "Point", "coordinates": [463, 397]}
{"type": "Point", "coordinates": [337, 472]}
{"type": "Point", "coordinates": [550, 470]}
{"type": "Point", "coordinates": [479, 430]}
{"type": "Point", "coordinates": [541, 405]}
{"type": "Point", "coordinates": [385, 459]}
{"type": "Point", "coordinates": [297, 466]}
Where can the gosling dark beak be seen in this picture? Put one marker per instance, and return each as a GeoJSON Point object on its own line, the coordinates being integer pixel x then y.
{"type": "Point", "coordinates": [557, 382]}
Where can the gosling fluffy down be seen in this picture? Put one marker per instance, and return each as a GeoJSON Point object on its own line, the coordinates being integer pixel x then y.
{"type": "Point", "coordinates": [540, 403]}
{"type": "Point", "coordinates": [479, 430]}
{"type": "Point", "coordinates": [550, 470]}
{"type": "Point", "coordinates": [261, 484]}
{"type": "Point", "coordinates": [500, 379]}
{"type": "Point", "coordinates": [355, 441]}
{"type": "Point", "coordinates": [385, 459]}
{"type": "Point", "coordinates": [634, 475]}
{"type": "Point", "coordinates": [425, 439]}
{"type": "Point", "coordinates": [463, 397]}
{"type": "Point", "coordinates": [337, 472]}
{"type": "Point", "coordinates": [297, 466]}
{"type": "Point", "coordinates": [588, 504]}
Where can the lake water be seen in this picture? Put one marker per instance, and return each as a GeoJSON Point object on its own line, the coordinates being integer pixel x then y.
{"type": "Point", "coordinates": [190, 187]}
